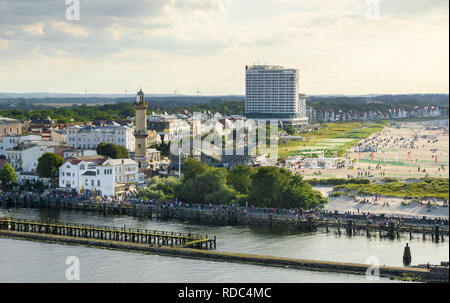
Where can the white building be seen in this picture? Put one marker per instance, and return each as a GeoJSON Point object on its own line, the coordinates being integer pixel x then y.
{"type": "Point", "coordinates": [88, 137]}
{"type": "Point", "coordinates": [9, 141]}
{"type": "Point", "coordinates": [167, 126]}
{"type": "Point", "coordinates": [76, 153]}
{"type": "Point", "coordinates": [272, 93]}
{"type": "Point", "coordinates": [24, 156]}
{"type": "Point", "coordinates": [100, 175]}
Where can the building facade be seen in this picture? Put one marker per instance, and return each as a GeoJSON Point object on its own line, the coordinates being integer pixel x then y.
{"type": "Point", "coordinates": [9, 141]}
{"type": "Point", "coordinates": [24, 156]}
{"type": "Point", "coordinates": [88, 137]}
{"type": "Point", "coordinates": [272, 93]}
{"type": "Point", "coordinates": [100, 176]}
{"type": "Point", "coordinates": [10, 126]}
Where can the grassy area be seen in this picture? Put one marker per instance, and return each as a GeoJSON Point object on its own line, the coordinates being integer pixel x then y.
{"type": "Point", "coordinates": [332, 137]}
{"type": "Point", "coordinates": [428, 187]}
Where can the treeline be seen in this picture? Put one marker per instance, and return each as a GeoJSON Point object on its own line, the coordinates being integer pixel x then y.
{"type": "Point", "coordinates": [118, 111]}
{"type": "Point", "coordinates": [407, 99]}
{"type": "Point", "coordinates": [83, 113]}
{"type": "Point", "coordinates": [262, 187]}
{"type": "Point", "coordinates": [359, 107]}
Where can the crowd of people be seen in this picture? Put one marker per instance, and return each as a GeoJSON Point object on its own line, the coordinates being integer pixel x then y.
{"type": "Point", "coordinates": [134, 198]}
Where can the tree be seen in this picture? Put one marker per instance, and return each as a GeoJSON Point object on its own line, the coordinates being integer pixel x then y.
{"type": "Point", "coordinates": [192, 168]}
{"type": "Point", "coordinates": [8, 175]}
{"type": "Point", "coordinates": [204, 184]}
{"type": "Point", "coordinates": [290, 130]}
{"type": "Point", "coordinates": [239, 178]}
{"type": "Point", "coordinates": [278, 187]}
{"type": "Point", "coordinates": [267, 186]}
{"type": "Point", "coordinates": [48, 165]}
{"type": "Point", "coordinates": [112, 150]}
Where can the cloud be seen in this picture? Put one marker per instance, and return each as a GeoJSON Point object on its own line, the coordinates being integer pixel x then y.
{"type": "Point", "coordinates": [175, 42]}
{"type": "Point", "coordinates": [69, 28]}
{"type": "Point", "coordinates": [36, 29]}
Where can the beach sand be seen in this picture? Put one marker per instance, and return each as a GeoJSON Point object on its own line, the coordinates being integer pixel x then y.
{"type": "Point", "coordinates": [347, 204]}
{"type": "Point", "coordinates": [392, 156]}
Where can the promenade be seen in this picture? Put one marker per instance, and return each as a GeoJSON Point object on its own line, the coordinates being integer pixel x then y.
{"type": "Point", "coordinates": [299, 220]}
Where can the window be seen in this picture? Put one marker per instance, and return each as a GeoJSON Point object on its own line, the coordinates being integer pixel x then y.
{"type": "Point", "coordinates": [98, 182]}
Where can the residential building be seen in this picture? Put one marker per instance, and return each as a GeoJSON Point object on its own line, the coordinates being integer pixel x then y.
{"type": "Point", "coordinates": [24, 156]}
{"type": "Point", "coordinates": [99, 175]}
{"type": "Point", "coordinates": [10, 126]}
{"type": "Point", "coordinates": [88, 137]}
{"type": "Point", "coordinates": [9, 141]}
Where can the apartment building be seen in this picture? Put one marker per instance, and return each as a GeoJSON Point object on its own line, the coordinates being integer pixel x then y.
{"type": "Point", "coordinates": [272, 93]}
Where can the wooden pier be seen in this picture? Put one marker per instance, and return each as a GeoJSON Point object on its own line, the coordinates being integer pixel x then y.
{"type": "Point", "coordinates": [123, 234]}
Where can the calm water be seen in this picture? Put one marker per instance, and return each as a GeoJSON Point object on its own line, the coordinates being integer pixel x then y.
{"type": "Point", "coordinates": [25, 261]}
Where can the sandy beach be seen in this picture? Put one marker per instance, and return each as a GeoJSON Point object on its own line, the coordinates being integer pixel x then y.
{"type": "Point", "coordinates": [347, 204]}
{"type": "Point", "coordinates": [410, 151]}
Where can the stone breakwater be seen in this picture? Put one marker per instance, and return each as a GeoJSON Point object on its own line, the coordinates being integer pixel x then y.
{"type": "Point", "coordinates": [418, 274]}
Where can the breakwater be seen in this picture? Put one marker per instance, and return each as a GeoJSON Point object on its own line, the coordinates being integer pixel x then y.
{"type": "Point", "coordinates": [418, 274]}
{"type": "Point", "coordinates": [236, 215]}
{"type": "Point", "coordinates": [72, 230]}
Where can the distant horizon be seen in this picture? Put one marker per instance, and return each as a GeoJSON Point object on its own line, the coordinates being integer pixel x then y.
{"type": "Point", "coordinates": [61, 95]}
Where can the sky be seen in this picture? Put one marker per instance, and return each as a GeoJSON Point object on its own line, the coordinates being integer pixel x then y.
{"type": "Point", "coordinates": [339, 46]}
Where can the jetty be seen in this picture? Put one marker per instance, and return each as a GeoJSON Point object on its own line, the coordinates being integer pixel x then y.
{"type": "Point", "coordinates": [190, 246]}
{"type": "Point", "coordinates": [123, 234]}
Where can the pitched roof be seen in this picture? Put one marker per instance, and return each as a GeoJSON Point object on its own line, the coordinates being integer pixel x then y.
{"type": "Point", "coordinates": [90, 173]}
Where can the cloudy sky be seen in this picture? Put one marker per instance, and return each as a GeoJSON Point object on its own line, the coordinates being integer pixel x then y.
{"type": "Point", "coordinates": [339, 46]}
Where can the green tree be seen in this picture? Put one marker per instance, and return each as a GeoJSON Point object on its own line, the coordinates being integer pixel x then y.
{"type": "Point", "coordinates": [192, 168]}
{"type": "Point", "coordinates": [267, 186]}
{"type": "Point", "coordinates": [112, 150]}
{"type": "Point", "coordinates": [204, 184]}
{"type": "Point", "coordinates": [161, 188]}
{"type": "Point", "coordinates": [239, 178]}
{"type": "Point", "coordinates": [290, 130]}
{"type": "Point", "coordinates": [278, 187]}
{"type": "Point", "coordinates": [8, 176]}
{"type": "Point", "coordinates": [48, 165]}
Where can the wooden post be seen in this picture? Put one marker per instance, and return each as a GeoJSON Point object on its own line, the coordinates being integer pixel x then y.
{"type": "Point", "coordinates": [436, 230]}
{"type": "Point", "coordinates": [407, 255]}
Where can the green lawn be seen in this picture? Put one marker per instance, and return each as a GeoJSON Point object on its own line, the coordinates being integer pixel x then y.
{"type": "Point", "coordinates": [428, 187]}
{"type": "Point", "coordinates": [331, 138]}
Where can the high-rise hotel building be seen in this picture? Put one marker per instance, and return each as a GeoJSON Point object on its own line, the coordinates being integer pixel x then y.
{"type": "Point", "coordinates": [272, 93]}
